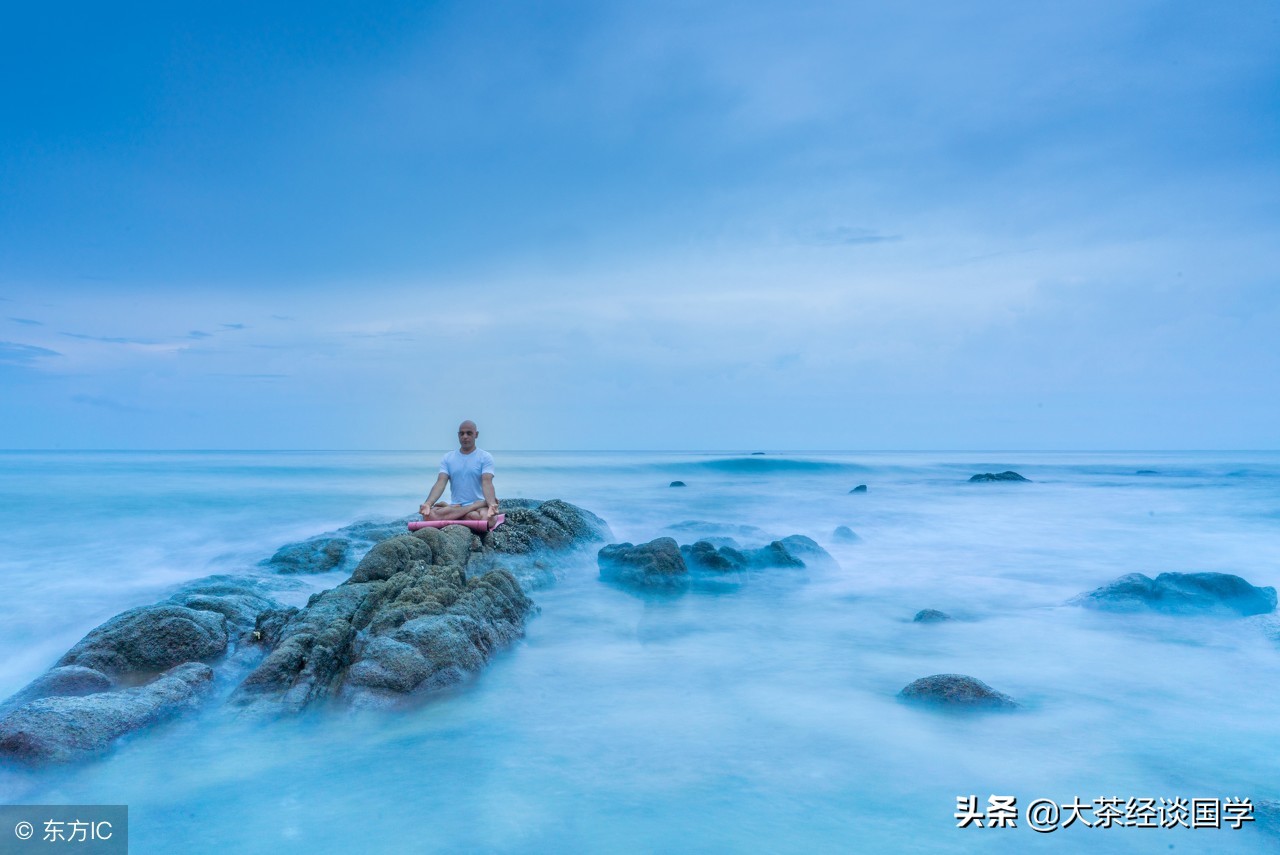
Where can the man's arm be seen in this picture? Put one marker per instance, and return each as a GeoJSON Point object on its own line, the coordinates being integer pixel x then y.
{"type": "Point", "coordinates": [490, 497]}
{"type": "Point", "coordinates": [437, 490]}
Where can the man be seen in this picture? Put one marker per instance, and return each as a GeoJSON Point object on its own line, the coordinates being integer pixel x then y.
{"type": "Point", "coordinates": [469, 474]}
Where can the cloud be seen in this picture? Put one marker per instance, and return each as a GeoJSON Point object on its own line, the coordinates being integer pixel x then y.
{"type": "Point", "coordinates": [27, 321]}
{"type": "Point", "coordinates": [199, 334]}
{"type": "Point", "coordinates": [845, 236]}
{"type": "Point", "coordinates": [110, 339]}
{"type": "Point", "coordinates": [13, 353]}
{"type": "Point", "coordinates": [106, 403]}
{"type": "Point", "coordinates": [233, 326]}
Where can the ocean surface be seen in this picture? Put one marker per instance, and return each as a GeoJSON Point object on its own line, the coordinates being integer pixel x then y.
{"type": "Point", "coordinates": [760, 717]}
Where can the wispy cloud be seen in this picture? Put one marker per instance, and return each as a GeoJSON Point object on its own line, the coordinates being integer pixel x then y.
{"type": "Point", "coordinates": [845, 236]}
{"type": "Point", "coordinates": [27, 321]}
{"type": "Point", "coordinates": [13, 353]}
{"type": "Point", "coordinates": [199, 334]}
{"type": "Point", "coordinates": [109, 339]}
{"type": "Point", "coordinates": [104, 403]}
{"type": "Point", "coordinates": [233, 326]}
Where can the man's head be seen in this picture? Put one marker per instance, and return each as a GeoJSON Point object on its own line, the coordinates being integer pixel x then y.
{"type": "Point", "coordinates": [467, 433]}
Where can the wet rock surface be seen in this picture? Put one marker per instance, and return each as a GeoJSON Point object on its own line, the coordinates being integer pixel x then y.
{"type": "Point", "coordinates": [337, 551]}
{"type": "Point", "coordinates": [844, 534]}
{"type": "Point", "coordinates": [421, 611]}
{"type": "Point", "coordinates": [956, 691]}
{"type": "Point", "coordinates": [861, 488]}
{"type": "Point", "coordinates": [663, 565]}
{"type": "Point", "coordinates": [1008, 475]}
{"type": "Point", "coordinates": [931, 616]}
{"type": "Point", "coordinates": [1181, 593]}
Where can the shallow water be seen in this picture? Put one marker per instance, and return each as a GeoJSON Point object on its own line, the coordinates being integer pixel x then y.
{"type": "Point", "coordinates": [759, 716]}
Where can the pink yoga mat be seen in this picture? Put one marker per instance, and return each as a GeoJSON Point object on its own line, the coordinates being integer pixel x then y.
{"type": "Point", "coordinates": [474, 525]}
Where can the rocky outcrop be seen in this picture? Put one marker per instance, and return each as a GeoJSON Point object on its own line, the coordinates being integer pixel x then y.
{"type": "Point", "coordinates": [335, 551]}
{"type": "Point", "coordinates": [656, 565]}
{"type": "Point", "coordinates": [678, 484]}
{"type": "Point", "coordinates": [861, 488]}
{"type": "Point", "coordinates": [1182, 593]}
{"type": "Point", "coordinates": [63, 727]}
{"type": "Point", "coordinates": [844, 534]}
{"type": "Point", "coordinates": [956, 691]}
{"type": "Point", "coordinates": [1008, 475]}
{"type": "Point", "coordinates": [931, 616]}
{"type": "Point", "coordinates": [662, 565]}
{"type": "Point", "coordinates": [420, 612]}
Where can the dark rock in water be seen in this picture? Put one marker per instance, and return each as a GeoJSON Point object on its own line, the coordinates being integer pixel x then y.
{"type": "Point", "coordinates": [757, 454]}
{"type": "Point", "coordinates": [62, 728]}
{"type": "Point", "coordinates": [956, 691]}
{"type": "Point", "coordinates": [678, 484]}
{"type": "Point", "coordinates": [701, 529]}
{"type": "Point", "coordinates": [705, 555]}
{"type": "Point", "coordinates": [1185, 593]}
{"type": "Point", "coordinates": [656, 565]}
{"type": "Point", "coordinates": [66, 681]}
{"type": "Point", "coordinates": [807, 551]}
{"type": "Point", "coordinates": [1009, 475]}
{"type": "Point", "coordinates": [319, 555]}
{"type": "Point", "coordinates": [1146, 472]}
{"type": "Point", "coordinates": [844, 534]}
{"type": "Point", "coordinates": [337, 551]}
{"type": "Point", "coordinates": [931, 616]}
{"type": "Point", "coordinates": [150, 639]}
{"type": "Point", "coordinates": [861, 488]}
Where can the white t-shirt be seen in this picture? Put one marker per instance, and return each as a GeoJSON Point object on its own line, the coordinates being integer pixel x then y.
{"type": "Point", "coordinates": [464, 471]}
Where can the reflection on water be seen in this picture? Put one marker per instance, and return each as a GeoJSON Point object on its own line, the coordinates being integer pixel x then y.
{"type": "Point", "coordinates": [757, 717]}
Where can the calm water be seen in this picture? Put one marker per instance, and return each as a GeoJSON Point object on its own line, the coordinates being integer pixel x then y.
{"type": "Point", "coordinates": [755, 718]}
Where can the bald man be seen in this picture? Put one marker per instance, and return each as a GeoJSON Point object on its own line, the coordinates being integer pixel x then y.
{"type": "Point", "coordinates": [469, 474]}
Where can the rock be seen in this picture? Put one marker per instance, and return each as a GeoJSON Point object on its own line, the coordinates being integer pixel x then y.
{"type": "Point", "coordinates": [844, 534]}
{"type": "Point", "coordinates": [147, 640]}
{"type": "Point", "coordinates": [318, 555]}
{"type": "Point", "coordinates": [657, 564]}
{"type": "Point", "coordinates": [705, 555]}
{"type": "Point", "coordinates": [757, 454]}
{"type": "Point", "coordinates": [807, 551]}
{"type": "Point", "coordinates": [956, 691]}
{"type": "Point", "coordinates": [420, 612]}
{"type": "Point", "coordinates": [63, 728]}
{"type": "Point", "coordinates": [678, 484]}
{"type": "Point", "coordinates": [336, 551]}
{"type": "Point", "coordinates": [66, 681]}
{"type": "Point", "coordinates": [701, 528]}
{"type": "Point", "coordinates": [931, 616]}
{"type": "Point", "coordinates": [1009, 475]}
{"type": "Point", "coordinates": [1146, 472]}
{"type": "Point", "coordinates": [861, 488]}
{"type": "Point", "coordinates": [1182, 593]}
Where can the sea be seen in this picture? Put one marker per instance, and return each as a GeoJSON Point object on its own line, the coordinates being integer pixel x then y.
{"type": "Point", "coordinates": [757, 716]}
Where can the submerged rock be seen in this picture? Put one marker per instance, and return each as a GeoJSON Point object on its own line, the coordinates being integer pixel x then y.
{"type": "Point", "coordinates": [861, 488]}
{"type": "Point", "coordinates": [706, 555]}
{"type": "Point", "coordinates": [62, 728]}
{"type": "Point", "coordinates": [1183, 593]}
{"type": "Point", "coordinates": [844, 534]}
{"type": "Point", "coordinates": [334, 552]}
{"type": "Point", "coordinates": [678, 484]}
{"type": "Point", "coordinates": [931, 616]}
{"type": "Point", "coordinates": [957, 691]}
{"type": "Point", "coordinates": [1009, 475]}
{"type": "Point", "coordinates": [656, 565]}
{"type": "Point", "coordinates": [1146, 472]}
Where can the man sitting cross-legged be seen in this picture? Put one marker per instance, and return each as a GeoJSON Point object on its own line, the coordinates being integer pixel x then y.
{"type": "Point", "coordinates": [469, 474]}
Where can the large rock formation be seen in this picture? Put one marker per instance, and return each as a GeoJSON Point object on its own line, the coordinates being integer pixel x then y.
{"type": "Point", "coordinates": [141, 666]}
{"type": "Point", "coordinates": [956, 691]}
{"type": "Point", "coordinates": [420, 611]}
{"type": "Point", "coordinates": [662, 565]}
{"type": "Point", "coordinates": [1008, 475]}
{"type": "Point", "coordinates": [1182, 593]}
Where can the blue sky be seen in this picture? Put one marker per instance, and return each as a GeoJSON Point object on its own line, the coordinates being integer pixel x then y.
{"type": "Point", "coordinates": [660, 225]}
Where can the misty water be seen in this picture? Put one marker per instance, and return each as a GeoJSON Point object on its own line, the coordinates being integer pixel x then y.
{"type": "Point", "coordinates": [758, 715]}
